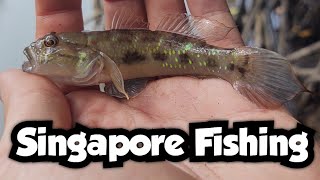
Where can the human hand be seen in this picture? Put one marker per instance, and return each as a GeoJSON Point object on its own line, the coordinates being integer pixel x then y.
{"type": "Point", "coordinates": [172, 102]}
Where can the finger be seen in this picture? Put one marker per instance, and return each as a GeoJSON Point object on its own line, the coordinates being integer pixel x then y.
{"type": "Point", "coordinates": [31, 97]}
{"type": "Point", "coordinates": [136, 7]}
{"type": "Point", "coordinates": [217, 10]}
{"type": "Point", "coordinates": [58, 16]}
{"type": "Point", "coordinates": [156, 10]}
{"type": "Point", "coordinates": [97, 110]}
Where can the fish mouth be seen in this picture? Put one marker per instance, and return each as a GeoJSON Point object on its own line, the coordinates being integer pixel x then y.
{"type": "Point", "coordinates": [29, 66]}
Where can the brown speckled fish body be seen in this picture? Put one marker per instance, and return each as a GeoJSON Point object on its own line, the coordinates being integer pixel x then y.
{"type": "Point", "coordinates": [90, 58]}
{"type": "Point", "coordinates": [145, 53]}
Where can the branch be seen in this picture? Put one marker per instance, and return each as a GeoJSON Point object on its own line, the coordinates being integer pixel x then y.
{"type": "Point", "coordinates": [247, 30]}
{"type": "Point", "coordinates": [297, 55]}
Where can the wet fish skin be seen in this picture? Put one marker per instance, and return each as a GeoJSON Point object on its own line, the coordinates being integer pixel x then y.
{"type": "Point", "coordinates": [163, 52]}
{"type": "Point", "coordinates": [90, 58]}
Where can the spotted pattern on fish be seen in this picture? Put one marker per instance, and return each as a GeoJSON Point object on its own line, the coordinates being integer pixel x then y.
{"type": "Point", "coordinates": [212, 62]}
{"type": "Point", "coordinates": [184, 58]}
{"type": "Point", "coordinates": [242, 70]}
{"type": "Point", "coordinates": [246, 60]}
{"type": "Point", "coordinates": [178, 54]}
{"type": "Point", "coordinates": [133, 57]}
{"type": "Point", "coordinates": [231, 67]}
{"type": "Point", "coordinates": [159, 56]}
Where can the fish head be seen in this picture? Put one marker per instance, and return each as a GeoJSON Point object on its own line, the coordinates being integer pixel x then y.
{"type": "Point", "coordinates": [62, 60]}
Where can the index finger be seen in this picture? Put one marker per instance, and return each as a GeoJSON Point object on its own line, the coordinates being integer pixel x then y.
{"type": "Point", "coordinates": [58, 16]}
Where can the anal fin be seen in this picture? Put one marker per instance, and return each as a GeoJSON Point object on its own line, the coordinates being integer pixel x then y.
{"type": "Point", "coordinates": [132, 87]}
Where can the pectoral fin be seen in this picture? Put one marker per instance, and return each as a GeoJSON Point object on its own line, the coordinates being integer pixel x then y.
{"type": "Point", "coordinates": [115, 75]}
{"type": "Point", "coordinates": [133, 87]}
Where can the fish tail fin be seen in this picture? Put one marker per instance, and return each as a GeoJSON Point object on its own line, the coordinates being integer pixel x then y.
{"type": "Point", "coordinates": [314, 94]}
{"type": "Point", "coordinates": [267, 78]}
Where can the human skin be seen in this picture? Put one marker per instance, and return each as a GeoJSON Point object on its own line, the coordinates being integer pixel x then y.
{"type": "Point", "coordinates": [171, 102]}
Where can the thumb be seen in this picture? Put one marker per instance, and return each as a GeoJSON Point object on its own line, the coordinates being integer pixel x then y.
{"type": "Point", "coordinates": [30, 97]}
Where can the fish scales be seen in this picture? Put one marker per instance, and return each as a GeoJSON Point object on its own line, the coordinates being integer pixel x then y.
{"type": "Point", "coordinates": [89, 58]}
{"type": "Point", "coordinates": [158, 53]}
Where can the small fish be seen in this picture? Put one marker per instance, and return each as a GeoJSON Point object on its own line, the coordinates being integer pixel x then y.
{"type": "Point", "coordinates": [126, 56]}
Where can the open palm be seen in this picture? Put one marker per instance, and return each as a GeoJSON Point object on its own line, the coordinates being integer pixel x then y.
{"type": "Point", "coordinates": [171, 102]}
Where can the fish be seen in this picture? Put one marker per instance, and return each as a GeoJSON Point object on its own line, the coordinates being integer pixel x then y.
{"type": "Point", "coordinates": [129, 54]}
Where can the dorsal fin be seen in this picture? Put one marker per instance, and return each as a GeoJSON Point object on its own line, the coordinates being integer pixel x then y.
{"type": "Point", "coordinates": [126, 19]}
{"type": "Point", "coordinates": [195, 27]}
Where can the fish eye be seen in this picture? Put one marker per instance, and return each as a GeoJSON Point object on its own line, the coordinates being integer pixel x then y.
{"type": "Point", "coordinates": [51, 41]}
